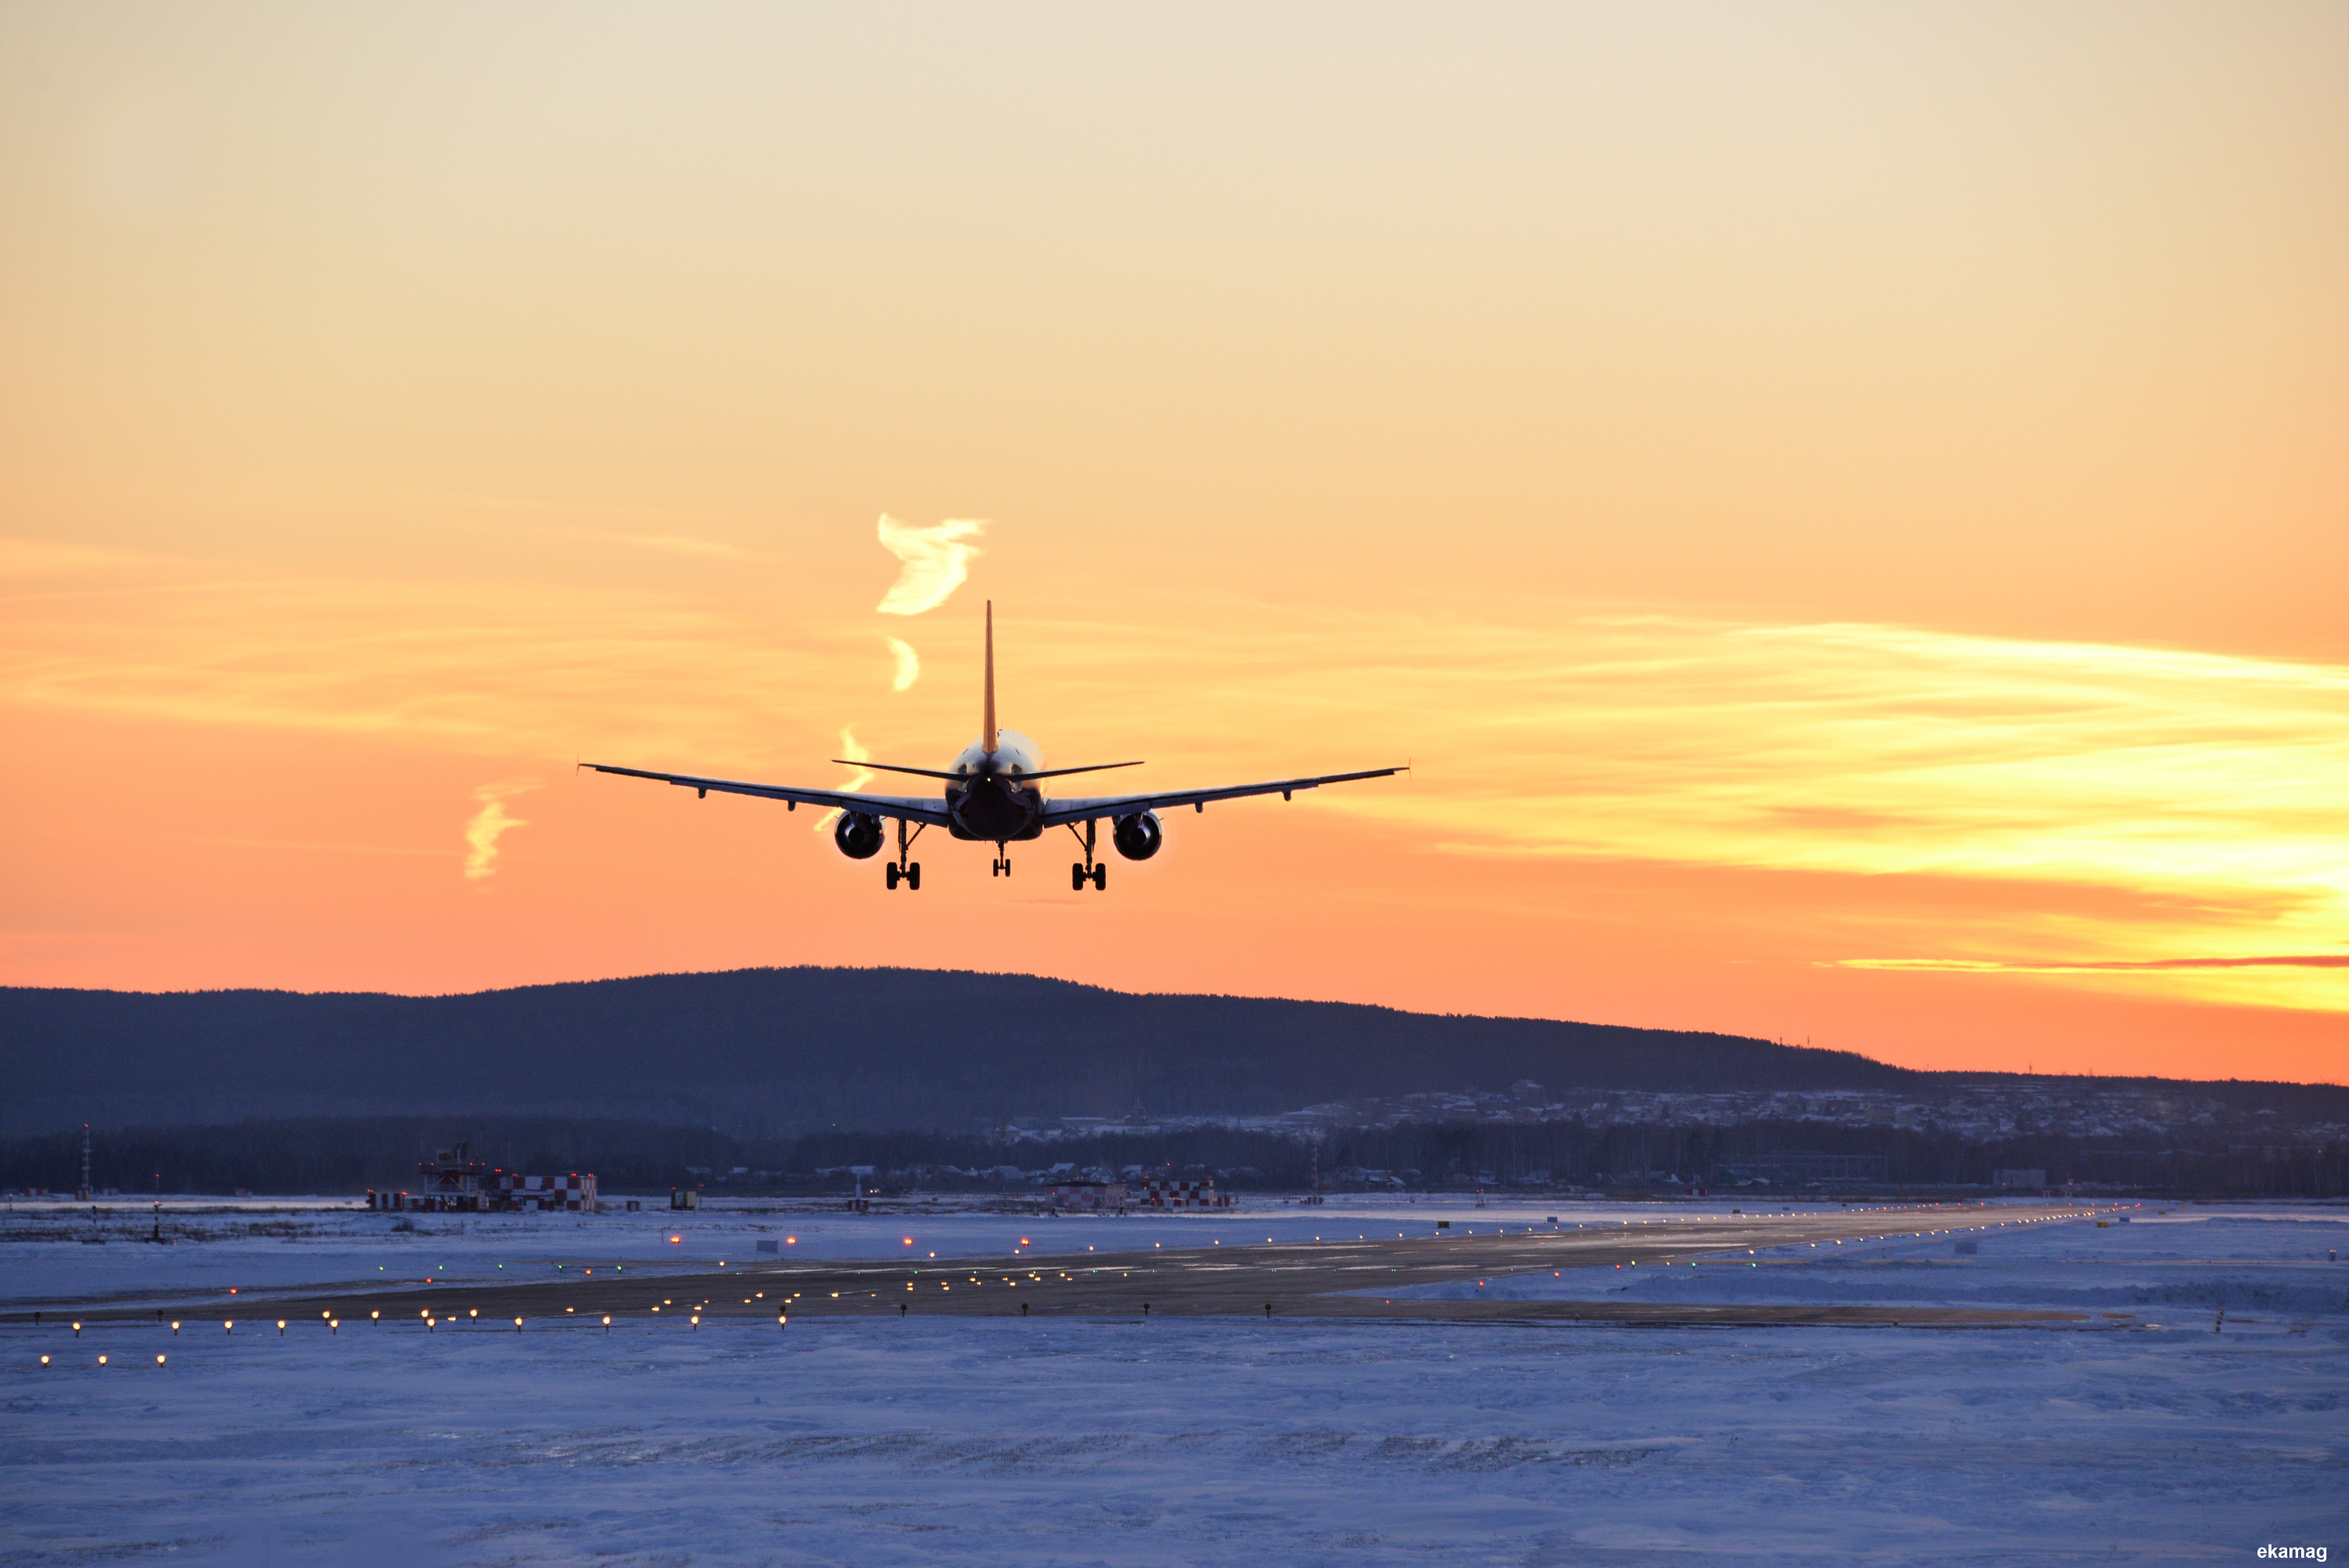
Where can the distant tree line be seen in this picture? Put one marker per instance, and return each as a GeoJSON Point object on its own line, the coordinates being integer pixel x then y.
{"type": "Point", "coordinates": [349, 1154]}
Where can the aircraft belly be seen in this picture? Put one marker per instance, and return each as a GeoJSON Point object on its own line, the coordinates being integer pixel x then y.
{"type": "Point", "coordinates": [995, 815]}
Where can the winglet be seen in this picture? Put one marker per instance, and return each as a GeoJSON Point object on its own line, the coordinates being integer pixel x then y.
{"type": "Point", "coordinates": [987, 723]}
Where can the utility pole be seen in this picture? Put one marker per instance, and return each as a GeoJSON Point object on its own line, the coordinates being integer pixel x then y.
{"type": "Point", "coordinates": [83, 1196]}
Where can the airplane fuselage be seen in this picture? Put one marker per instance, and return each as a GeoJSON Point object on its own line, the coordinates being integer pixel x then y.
{"type": "Point", "coordinates": [986, 799]}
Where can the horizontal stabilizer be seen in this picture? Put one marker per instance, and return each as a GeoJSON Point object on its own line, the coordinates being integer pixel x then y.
{"type": "Point", "coordinates": [935, 773]}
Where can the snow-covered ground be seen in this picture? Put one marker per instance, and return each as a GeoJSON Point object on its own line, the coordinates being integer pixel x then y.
{"type": "Point", "coordinates": [1183, 1441]}
{"type": "Point", "coordinates": [2174, 1264]}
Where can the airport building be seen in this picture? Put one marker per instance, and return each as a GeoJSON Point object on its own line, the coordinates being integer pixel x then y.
{"type": "Point", "coordinates": [453, 1183]}
{"type": "Point", "coordinates": [1169, 1193]}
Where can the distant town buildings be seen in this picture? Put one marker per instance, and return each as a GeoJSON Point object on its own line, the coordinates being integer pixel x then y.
{"type": "Point", "coordinates": [1976, 1112]}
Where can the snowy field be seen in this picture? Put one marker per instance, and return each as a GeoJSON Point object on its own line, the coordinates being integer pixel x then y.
{"type": "Point", "coordinates": [1198, 1440]}
{"type": "Point", "coordinates": [2174, 1265]}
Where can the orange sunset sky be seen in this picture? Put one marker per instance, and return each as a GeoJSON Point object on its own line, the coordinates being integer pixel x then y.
{"type": "Point", "coordinates": [1846, 508]}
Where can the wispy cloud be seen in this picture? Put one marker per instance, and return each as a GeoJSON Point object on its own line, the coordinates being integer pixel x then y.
{"type": "Point", "coordinates": [937, 562]}
{"type": "Point", "coordinates": [2111, 804]}
{"type": "Point", "coordinates": [684, 545]}
{"type": "Point", "coordinates": [486, 669]}
{"type": "Point", "coordinates": [311, 846]}
{"type": "Point", "coordinates": [909, 662]}
{"type": "Point", "coordinates": [485, 826]}
{"type": "Point", "coordinates": [2093, 966]}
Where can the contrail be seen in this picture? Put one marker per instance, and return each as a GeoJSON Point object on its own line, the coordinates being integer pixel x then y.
{"type": "Point", "coordinates": [936, 562]}
{"type": "Point", "coordinates": [909, 662]}
{"type": "Point", "coordinates": [483, 830]}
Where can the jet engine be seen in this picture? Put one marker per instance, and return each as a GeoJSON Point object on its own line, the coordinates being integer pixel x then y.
{"type": "Point", "coordinates": [858, 834]}
{"type": "Point", "coordinates": [1137, 837]}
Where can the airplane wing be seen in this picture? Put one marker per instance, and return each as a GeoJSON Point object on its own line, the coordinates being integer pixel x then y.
{"type": "Point", "coordinates": [911, 808]}
{"type": "Point", "coordinates": [1078, 809]}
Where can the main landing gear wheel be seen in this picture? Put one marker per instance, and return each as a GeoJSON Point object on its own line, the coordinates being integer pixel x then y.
{"type": "Point", "coordinates": [1079, 874]}
{"type": "Point", "coordinates": [904, 870]}
{"type": "Point", "coordinates": [890, 874]}
{"type": "Point", "coordinates": [1100, 879]}
{"type": "Point", "coordinates": [1077, 877]}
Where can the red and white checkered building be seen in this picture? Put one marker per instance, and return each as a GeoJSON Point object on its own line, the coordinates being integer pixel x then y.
{"type": "Point", "coordinates": [453, 1183]}
{"type": "Point", "coordinates": [1171, 1193]}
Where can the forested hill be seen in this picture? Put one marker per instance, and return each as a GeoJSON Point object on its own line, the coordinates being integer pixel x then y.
{"type": "Point", "coordinates": [769, 1051]}
{"type": "Point", "coordinates": [775, 1052]}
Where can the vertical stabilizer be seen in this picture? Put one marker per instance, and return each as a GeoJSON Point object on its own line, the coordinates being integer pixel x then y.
{"type": "Point", "coordinates": [987, 721]}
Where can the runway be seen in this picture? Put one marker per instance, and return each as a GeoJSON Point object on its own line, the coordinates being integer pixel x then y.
{"type": "Point", "coordinates": [1339, 1278]}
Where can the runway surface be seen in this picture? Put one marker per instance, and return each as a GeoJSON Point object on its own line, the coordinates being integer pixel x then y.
{"type": "Point", "coordinates": [1327, 1279]}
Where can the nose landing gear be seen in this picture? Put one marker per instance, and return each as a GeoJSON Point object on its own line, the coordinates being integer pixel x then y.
{"type": "Point", "coordinates": [1002, 864]}
{"type": "Point", "coordinates": [903, 870]}
{"type": "Point", "coordinates": [1085, 871]}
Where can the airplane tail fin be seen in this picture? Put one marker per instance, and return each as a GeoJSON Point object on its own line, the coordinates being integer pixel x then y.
{"type": "Point", "coordinates": [987, 723]}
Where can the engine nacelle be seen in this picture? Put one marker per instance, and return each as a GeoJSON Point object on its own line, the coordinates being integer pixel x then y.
{"type": "Point", "coordinates": [1137, 837]}
{"type": "Point", "coordinates": [858, 834]}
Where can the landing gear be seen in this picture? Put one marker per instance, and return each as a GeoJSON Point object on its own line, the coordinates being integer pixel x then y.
{"type": "Point", "coordinates": [904, 870]}
{"type": "Point", "coordinates": [1084, 870]}
{"type": "Point", "coordinates": [1002, 865]}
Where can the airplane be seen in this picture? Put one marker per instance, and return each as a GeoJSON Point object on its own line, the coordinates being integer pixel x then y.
{"type": "Point", "coordinates": [990, 796]}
